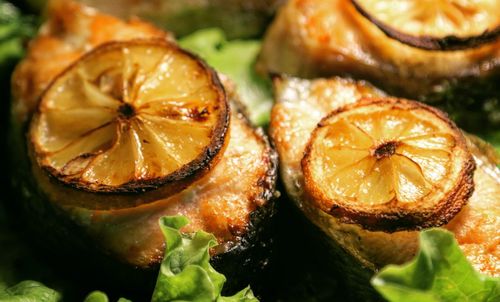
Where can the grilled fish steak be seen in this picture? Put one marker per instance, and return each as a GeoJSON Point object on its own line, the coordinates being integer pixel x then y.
{"type": "Point", "coordinates": [300, 105]}
{"type": "Point", "coordinates": [233, 200]}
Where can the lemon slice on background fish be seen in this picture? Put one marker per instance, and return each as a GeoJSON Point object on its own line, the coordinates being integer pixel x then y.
{"type": "Point", "coordinates": [435, 24]}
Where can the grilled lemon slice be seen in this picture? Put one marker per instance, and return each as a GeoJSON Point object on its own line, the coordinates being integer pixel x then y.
{"type": "Point", "coordinates": [435, 24]}
{"type": "Point", "coordinates": [131, 117]}
{"type": "Point", "coordinates": [388, 164]}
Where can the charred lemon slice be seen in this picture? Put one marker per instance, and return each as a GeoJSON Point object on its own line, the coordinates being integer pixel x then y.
{"type": "Point", "coordinates": [435, 24]}
{"type": "Point", "coordinates": [130, 117]}
{"type": "Point", "coordinates": [388, 165]}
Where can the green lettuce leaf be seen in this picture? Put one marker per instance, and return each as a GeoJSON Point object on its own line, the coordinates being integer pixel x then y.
{"type": "Point", "coordinates": [99, 296]}
{"type": "Point", "coordinates": [14, 29]}
{"type": "Point", "coordinates": [236, 59]}
{"type": "Point", "coordinates": [29, 291]}
{"type": "Point", "coordinates": [245, 295]}
{"type": "Point", "coordinates": [185, 273]}
{"type": "Point", "coordinates": [439, 273]}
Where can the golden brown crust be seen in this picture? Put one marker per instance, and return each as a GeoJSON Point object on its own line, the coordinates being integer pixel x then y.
{"type": "Point", "coordinates": [394, 217]}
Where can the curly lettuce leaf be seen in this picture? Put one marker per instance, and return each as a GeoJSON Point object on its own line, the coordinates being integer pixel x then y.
{"type": "Point", "coordinates": [30, 291]}
{"type": "Point", "coordinates": [185, 273]}
{"type": "Point", "coordinates": [97, 296]}
{"type": "Point", "coordinates": [236, 59]}
{"type": "Point", "coordinates": [439, 273]}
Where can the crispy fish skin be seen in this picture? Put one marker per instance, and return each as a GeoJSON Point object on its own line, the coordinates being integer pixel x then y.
{"type": "Point", "coordinates": [300, 105]}
{"type": "Point", "coordinates": [313, 38]}
{"type": "Point", "coordinates": [224, 202]}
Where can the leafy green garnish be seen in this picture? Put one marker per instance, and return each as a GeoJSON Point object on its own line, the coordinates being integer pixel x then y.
{"type": "Point", "coordinates": [185, 273]}
{"type": "Point", "coordinates": [14, 29]}
{"type": "Point", "coordinates": [29, 291]}
{"type": "Point", "coordinates": [99, 296]}
{"type": "Point", "coordinates": [244, 295]}
{"type": "Point", "coordinates": [236, 59]}
{"type": "Point", "coordinates": [439, 273]}
{"type": "Point", "coordinates": [96, 296]}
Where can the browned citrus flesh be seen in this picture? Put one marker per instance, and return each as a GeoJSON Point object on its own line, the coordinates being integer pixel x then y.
{"type": "Point", "coordinates": [130, 116]}
{"type": "Point", "coordinates": [388, 165]}
{"type": "Point", "coordinates": [435, 24]}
